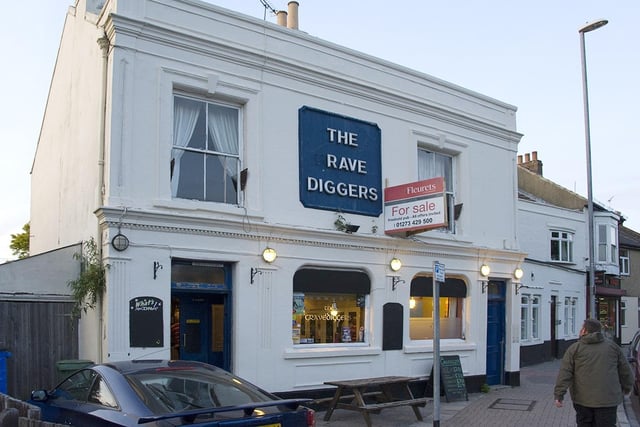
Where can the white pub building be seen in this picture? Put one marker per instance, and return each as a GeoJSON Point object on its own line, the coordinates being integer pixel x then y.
{"type": "Point", "coordinates": [243, 180]}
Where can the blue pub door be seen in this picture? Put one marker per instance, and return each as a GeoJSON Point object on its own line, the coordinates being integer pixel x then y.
{"type": "Point", "coordinates": [495, 332]}
{"type": "Point", "coordinates": [201, 312]}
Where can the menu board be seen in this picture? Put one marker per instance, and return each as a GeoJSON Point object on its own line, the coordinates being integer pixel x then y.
{"type": "Point", "coordinates": [145, 322]}
{"type": "Point", "coordinates": [452, 378]}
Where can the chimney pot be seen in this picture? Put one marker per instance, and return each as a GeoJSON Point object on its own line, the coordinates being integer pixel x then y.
{"type": "Point", "coordinates": [281, 17]}
{"type": "Point", "coordinates": [527, 157]}
{"type": "Point", "coordinates": [519, 159]}
{"type": "Point", "coordinates": [292, 19]}
{"type": "Point", "coordinates": [534, 154]}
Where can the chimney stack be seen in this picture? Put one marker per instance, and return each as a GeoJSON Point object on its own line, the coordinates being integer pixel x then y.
{"type": "Point", "coordinates": [531, 162]}
{"type": "Point", "coordinates": [292, 19]}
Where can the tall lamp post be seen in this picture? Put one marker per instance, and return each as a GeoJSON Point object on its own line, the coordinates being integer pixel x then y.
{"type": "Point", "coordinates": [589, 26]}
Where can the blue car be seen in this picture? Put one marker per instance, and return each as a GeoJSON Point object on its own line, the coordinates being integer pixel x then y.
{"type": "Point", "coordinates": [166, 393]}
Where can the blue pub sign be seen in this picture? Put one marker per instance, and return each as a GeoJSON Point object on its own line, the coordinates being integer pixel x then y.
{"type": "Point", "coordinates": [340, 163]}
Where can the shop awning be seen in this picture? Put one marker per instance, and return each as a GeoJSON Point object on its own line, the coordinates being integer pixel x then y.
{"type": "Point", "coordinates": [331, 281]}
{"type": "Point", "coordinates": [611, 292]}
{"type": "Point", "coordinates": [422, 286]}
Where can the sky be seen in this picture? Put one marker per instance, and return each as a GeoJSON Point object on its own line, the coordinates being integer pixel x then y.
{"type": "Point", "coordinates": [526, 54]}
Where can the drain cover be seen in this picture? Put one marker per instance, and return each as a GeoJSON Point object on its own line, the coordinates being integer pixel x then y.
{"type": "Point", "coordinates": [513, 404]}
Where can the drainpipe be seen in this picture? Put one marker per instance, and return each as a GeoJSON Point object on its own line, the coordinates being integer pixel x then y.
{"type": "Point", "coordinates": [104, 44]}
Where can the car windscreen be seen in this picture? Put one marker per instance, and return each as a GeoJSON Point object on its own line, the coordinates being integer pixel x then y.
{"type": "Point", "coordinates": [178, 389]}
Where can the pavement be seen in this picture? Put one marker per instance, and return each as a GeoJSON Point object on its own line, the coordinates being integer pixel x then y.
{"type": "Point", "coordinates": [530, 404]}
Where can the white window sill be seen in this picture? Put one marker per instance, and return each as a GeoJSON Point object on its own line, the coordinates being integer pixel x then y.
{"type": "Point", "coordinates": [426, 346]}
{"type": "Point", "coordinates": [309, 351]}
{"type": "Point", "coordinates": [198, 206]}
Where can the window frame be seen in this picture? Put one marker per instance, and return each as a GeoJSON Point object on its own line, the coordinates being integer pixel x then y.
{"type": "Point", "coordinates": [449, 178]}
{"type": "Point", "coordinates": [530, 311]}
{"type": "Point", "coordinates": [210, 154]}
{"type": "Point", "coordinates": [561, 241]}
{"type": "Point", "coordinates": [332, 282]}
{"type": "Point", "coordinates": [453, 295]}
{"type": "Point", "coordinates": [623, 256]}
{"type": "Point", "coordinates": [607, 244]}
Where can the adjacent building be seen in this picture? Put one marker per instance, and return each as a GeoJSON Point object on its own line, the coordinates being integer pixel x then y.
{"type": "Point", "coordinates": [233, 172]}
{"type": "Point", "coordinates": [630, 282]}
{"type": "Point", "coordinates": [554, 294]}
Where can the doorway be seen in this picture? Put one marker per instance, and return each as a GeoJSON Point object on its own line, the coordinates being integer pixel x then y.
{"type": "Point", "coordinates": [496, 302]}
{"type": "Point", "coordinates": [201, 312]}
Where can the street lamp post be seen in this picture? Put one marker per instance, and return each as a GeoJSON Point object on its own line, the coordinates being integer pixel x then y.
{"type": "Point", "coordinates": [590, 26]}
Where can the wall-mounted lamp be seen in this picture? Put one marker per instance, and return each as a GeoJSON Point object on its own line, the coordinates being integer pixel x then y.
{"type": "Point", "coordinates": [120, 242]}
{"type": "Point", "coordinates": [485, 270]}
{"type": "Point", "coordinates": [334, 309]}
{"type": "Point", "coordinates": [269, 255]}
{"type": "Point", "coordinates": [518, 273]}
{"type": "Point", "coordinates": [395, 281]}
{"type": "Point", "coordinates": [395, 264]}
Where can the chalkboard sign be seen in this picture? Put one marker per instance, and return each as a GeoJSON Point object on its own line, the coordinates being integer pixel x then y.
{"type": "Point", "coordinates": [452, 378]}
{"type": "Point", "coordinates": [145, 322]}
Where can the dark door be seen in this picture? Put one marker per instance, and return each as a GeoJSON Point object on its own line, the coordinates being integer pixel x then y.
{"type": "Point", "coordinates": [202, 328]}
{"type": "Point", "coordinates": [495, 332]}
{"type": "Point", "coordinates": [201, 312]}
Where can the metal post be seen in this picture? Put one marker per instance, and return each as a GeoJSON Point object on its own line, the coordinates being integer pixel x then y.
{"type": "Point", "coordinates": [436, 352]}
{"type": "Point", "coordinates": [587, 133]}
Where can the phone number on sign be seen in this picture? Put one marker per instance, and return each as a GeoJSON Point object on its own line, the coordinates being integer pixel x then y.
{"type": "Point", "coordinates": [413, 222]}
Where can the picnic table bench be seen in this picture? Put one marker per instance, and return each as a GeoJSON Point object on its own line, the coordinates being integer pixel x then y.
{"type": "Point", "coordinates": [385, 389]}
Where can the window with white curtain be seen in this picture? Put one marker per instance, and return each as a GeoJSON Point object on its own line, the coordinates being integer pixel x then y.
{"type": "Point", "coordinates": [433, 165]}
{"type": "Point", "coordinates": [205, 157]}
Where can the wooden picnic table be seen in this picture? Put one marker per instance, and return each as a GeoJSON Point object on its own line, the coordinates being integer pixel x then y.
{"type": "Point", "coordinates": [386, 391]}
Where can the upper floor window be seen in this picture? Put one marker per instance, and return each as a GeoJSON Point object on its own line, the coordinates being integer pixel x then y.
{"type": "Point", "coordinates": [607, 243]}
{"type": "Point", "coordinates": [205, 157]}
{"type": "Point", "coordinates": [433, 165]}
{"type": "Point", "coordinates": [624, 262]}
{"type": "Point", "coordinates": [561, 246]}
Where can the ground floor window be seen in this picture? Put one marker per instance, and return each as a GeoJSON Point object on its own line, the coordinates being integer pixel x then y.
{"type": "Point", "coordinates": [529, 317]}
{"type": "Point", "coordinates": [570, 310]}
{"type": "Point", "coordinates": [451, 306]}
{"type": "Point", "coordinates": [329, 306]}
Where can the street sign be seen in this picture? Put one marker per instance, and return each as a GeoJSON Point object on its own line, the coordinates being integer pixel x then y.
{"type": "Point", "coordinates": [438, 271]}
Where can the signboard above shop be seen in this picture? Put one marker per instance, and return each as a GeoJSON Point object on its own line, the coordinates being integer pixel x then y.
{"type": "Point", "coordinates": [415, 207]}
{"type": "Point", "coordinates": [340, 163]}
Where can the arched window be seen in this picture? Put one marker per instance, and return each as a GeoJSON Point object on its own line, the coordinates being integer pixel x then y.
{"type": "Point", "coordinates": [452, 296]}
{"type": "Point", "coordinates": [329, 306]}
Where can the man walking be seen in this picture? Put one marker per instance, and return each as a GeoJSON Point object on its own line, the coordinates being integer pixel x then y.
{"type": "Point", "coordinates": [597, 375]}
